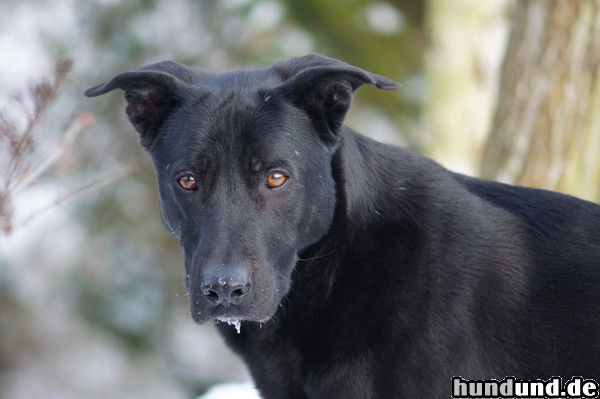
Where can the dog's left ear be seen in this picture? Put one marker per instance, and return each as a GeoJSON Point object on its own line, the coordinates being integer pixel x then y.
{"type": "Point", "coordinates": [152, 93]}
{"type": "Point", "coordinates": [323, 87]}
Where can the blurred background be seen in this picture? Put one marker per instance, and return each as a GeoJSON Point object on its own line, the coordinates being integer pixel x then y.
{"type": "Point", "coordinates": [92, 303]}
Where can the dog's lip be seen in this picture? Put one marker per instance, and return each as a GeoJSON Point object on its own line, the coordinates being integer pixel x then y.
{"type": "Point", "coordinates": [229, 313]}
{"type": "Point", "coordinates": [217, 313]}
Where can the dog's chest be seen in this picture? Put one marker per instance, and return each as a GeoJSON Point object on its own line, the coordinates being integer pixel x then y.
{"type": "Point", "coordinates": [306, 362]}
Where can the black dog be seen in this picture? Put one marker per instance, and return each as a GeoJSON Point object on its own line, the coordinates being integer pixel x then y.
{"type": "Point", "coordinates": [349, 268]}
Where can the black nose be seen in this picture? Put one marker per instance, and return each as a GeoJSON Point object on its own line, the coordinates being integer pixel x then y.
{"type": "Point", "coordinates": [226, 288]}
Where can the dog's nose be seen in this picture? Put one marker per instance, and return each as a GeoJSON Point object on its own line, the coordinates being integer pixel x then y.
{"type": "Point", "coordinates": [225, 292]}
{"type": "Point", "coordinates": [226, 288]}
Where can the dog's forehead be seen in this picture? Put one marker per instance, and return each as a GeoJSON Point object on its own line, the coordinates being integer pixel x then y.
{"type": "Point", "coordinates": [228, 98]}
{"type": "Point", "coordinates": [232, 117]}
{"type": "Point", "coordinates": [242, 79]}
{"type": "Point", "coordinates": [236, 126]}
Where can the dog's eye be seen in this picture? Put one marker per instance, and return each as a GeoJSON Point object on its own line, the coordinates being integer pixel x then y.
{"type": "Point", "coordinates": [276, 179]}
{"type": "Point", "coordinates": [188, 182]}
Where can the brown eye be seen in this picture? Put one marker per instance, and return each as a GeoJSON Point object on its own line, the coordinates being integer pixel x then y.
{"type": "Point", "coordinates": [276, 179]}
{"type": "Point", "coordinates": [188, 182]}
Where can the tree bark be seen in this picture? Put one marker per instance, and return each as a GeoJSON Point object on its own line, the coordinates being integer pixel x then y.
{"type": "Point", "coordinates": [546, 128]}
{"type": "Point", "coordinates": [467, 42]}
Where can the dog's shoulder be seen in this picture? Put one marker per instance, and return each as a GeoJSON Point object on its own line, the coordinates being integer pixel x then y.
{"type": "Point", "coordinates": [536, 206]}
{"type": "Point", "coordinates": [561, 231]}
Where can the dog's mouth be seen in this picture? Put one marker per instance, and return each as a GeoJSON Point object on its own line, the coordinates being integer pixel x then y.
{"type": "Point", "coordinates": [202, 313]}
{"type": "Point", "coordinates": [259, 311]}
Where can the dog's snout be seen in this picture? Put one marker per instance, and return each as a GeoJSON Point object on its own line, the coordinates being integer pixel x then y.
{"type": "Point", "coordinates": [226, 288]}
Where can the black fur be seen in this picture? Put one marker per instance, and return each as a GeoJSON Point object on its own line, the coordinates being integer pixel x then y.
{"type": "Point", "coordinates": [372, 272]}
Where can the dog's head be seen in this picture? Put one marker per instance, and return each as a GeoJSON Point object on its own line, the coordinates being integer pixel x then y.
{"type": "Point", "coordinates": [243, 161]}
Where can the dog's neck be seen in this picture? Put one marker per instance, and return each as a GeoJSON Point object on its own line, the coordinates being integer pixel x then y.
{"type": "Point", "coordinates": [366, 208]}
{"type": "Point", "coordinates": [367, 212]}
{"type": "Point", "coordinates": [360, 166]}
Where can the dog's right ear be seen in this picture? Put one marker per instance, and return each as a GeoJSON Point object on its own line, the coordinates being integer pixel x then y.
{"type": "Point", "coordinates": [152, 93]}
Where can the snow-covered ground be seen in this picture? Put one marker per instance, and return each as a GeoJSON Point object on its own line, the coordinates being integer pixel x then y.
{"type": "Point", "coordinates": [231, 391]}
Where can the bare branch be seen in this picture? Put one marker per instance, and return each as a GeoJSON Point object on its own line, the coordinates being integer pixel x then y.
{"type": "Point", "coordinates": [106, 178]}
{"type": "Point", "coordinates": [80, 123]}
{"type": "Point", "coordinates": [21, 142]}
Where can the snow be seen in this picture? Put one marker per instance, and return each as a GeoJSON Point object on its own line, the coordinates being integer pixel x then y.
{"type": "Point", "coordinates": [383, 18]}
{"type": "Point", "coordinates": [233, 322]}
{"type": "Point", "coordinates": [228, 391]}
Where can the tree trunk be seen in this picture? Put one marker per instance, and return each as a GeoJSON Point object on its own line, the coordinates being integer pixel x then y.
{"type": "Point", "coordinates": [467, 42]}
{"type": "Point", "coordinates": [546, 129]}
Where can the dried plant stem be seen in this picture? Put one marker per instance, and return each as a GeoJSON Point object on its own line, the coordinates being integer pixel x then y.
{"type": "Point", "coordinates": [80, 123]}
{"type": "Point", "coordinates": [16, 174]}
{"type": "Point", "coordinates": [107, 178]}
